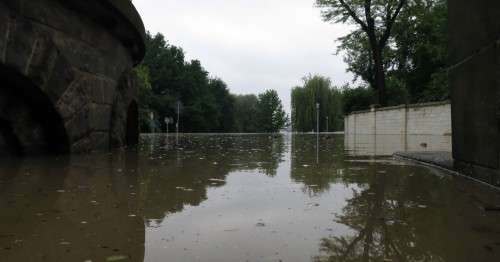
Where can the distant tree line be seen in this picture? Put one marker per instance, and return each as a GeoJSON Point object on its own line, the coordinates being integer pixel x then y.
{"type": "Point", "coordinates": [170, 84]}
{"type": "Point", "coordinates": [404, 39]}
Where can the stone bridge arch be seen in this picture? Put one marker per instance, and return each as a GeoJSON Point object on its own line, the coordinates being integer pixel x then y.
{"type": "Point", "coordinates": [66, 74]}
{"type": "Point", "coordinates": [29, 122]}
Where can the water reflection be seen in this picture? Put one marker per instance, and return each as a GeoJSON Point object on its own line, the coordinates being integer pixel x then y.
{"type": "Point", "coordinates": [316, 171]}
{"type": "Point", "coordinates": [173, 177]}
{"type": "Point", "coordinates": [70, 210]}
{"type": "Point", "coordinates": [415, 217]}
{"type": "Point", "coordinates": [241, 197]}
{"type": "Point", "coordinates": [386, 145]}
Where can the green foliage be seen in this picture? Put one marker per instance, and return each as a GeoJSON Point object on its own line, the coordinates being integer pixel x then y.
{"type": "Point", "coordinates": [316, 89]}
{"type": "Point", "coordinates": [375, 20]}
{"type": "Point", "coordinates": [206, 103]}
{"type": "Point", "coordinates": [259, 114]}
{"type": "Point", "coordinates": [270, 114]}
{"type": "Point", "coordinates": [414, 59]}
{"type": "Point", "coordinates": [355, 99]}
{"type": "Point", "coordinates": [245, 113]}
{"type": "Point", "coordinates": [419, 50]}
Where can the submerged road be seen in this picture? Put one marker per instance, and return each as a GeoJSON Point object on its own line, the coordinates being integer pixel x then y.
{"type": "Point", "coordinates": [243, 198]}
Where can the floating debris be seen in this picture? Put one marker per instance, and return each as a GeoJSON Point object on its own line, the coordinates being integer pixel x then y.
{"type": "Point", "coordinates": [216, 180]}
{"type": "Point", "coordinates": [184, 189]}
{"type": "Point", "coordinates": [231, 230]}
{"type": "Point", "coordinates": [260, 224]}
{"type": "Point", "coordinates": [116, 258]}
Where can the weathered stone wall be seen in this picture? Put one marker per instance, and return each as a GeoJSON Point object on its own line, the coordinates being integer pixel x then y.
{"type": "Point", "coordinates": [69, 62]}
{"type": "Point", "coordinates": [418, 119]}
{"type": "Point", "coordinates": [474, 77]}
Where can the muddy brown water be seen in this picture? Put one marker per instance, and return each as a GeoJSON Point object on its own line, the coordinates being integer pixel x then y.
{"type": "Point", "coordinates": [243, 198]}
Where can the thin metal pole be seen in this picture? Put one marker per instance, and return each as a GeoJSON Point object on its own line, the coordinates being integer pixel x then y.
{"type": "Point", "coordinates": [151, 122]}
{"type": "Point", "coordinates": [317, 118]}
{"type": "Point", "coordinates": [178, 116]}
{"type": "Point", "coordinates": [177, 124]}
{"type": "Point", "coordinates": [327, 125]}
{"type": "Point", "coordinates": [317, 133]}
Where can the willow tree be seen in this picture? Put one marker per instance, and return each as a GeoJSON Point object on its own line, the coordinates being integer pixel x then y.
{"type": "Point", "coordinates": [376, 19]}
{"type": "Point", "coordinates": [316, 90]}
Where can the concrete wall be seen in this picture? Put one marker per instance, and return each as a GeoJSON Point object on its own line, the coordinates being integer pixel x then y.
{"type": "Point", "coordinates": [474, 77]}
{"type": "Point", "coordinates": [418, 119]}
{"type": "Point", "coordinates": [387, 145]}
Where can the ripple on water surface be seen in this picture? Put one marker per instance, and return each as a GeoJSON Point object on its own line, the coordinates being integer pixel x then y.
{"type": "Point", "coordinates": [242, 198]}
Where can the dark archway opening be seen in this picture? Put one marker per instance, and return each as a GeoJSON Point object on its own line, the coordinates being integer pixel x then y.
{"type": "Point", "coordinates": [132, 124]}
{"type": "Point", "coordinates": [29, 122]}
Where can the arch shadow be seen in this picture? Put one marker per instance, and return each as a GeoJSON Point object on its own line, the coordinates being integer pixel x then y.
{"type": "Point", "coordinates": [132, 128]}
{"type": "Point", "coordinates": [29, 121]}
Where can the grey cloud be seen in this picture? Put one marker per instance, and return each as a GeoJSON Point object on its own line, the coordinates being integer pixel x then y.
{"type": "Point", "coordinates": [253, 45]}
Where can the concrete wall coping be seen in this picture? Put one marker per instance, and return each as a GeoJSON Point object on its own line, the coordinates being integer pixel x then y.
{"type": "Point", "coordinates": [409, 106]}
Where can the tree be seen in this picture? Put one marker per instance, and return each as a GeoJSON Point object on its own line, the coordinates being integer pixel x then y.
{"type": "Point", "coordinates": [207, 103]}
{"type": "Point", "coordinates": [376, 19]}
{"type": "Point", "coordinates": [271, 116]}
{"type": "Point", "coordinates": [316, 89]}
{"type": "Point", "coordinates": [245, 113]}
{"type": "Point", "coordinates": [224, 103]}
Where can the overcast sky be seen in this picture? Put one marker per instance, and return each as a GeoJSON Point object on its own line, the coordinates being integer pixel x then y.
{"type": "Point", "coordinates": [253, 45]}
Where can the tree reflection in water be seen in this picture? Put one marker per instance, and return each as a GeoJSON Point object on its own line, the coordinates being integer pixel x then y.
{"type": "Point", "coordinates": [176, 176]}
{"type": "Point", "coordinates": [316, 169]}
{"type": "Point", "coordinates": [392, 219]}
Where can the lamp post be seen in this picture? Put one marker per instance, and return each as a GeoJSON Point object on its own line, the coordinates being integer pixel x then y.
{"type": "Point", "coordinates": [152, 121]}
{"type": "Point", "coordinates": [317, 133]}
{"type": "Point", "coordinates": [177, 124]}
{"type": "Point", "coordinates": [317, 118]}
{"type": "Point", "coordinates": [327, 125]}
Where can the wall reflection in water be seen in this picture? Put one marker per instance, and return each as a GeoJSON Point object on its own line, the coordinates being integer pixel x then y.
{"type": "Point", "coordinates": [386, 145]}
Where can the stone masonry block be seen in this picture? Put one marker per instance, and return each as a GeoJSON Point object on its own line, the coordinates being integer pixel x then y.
{"type": "Point", "coordinates": [99, 117]}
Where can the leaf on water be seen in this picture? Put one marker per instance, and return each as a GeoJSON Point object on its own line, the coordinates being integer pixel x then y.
{"type": "Point", "coordinates": [116, 258]}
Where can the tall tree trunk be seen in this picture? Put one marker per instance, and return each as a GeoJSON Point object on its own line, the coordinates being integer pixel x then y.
{"type": "Point", "coordinates": [380, 97]}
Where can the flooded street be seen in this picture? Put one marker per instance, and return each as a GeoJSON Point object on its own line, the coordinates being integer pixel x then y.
{"type": "Point", "coordinates": [244, 198]}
